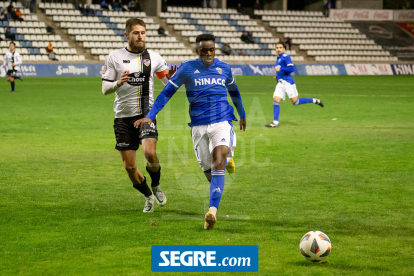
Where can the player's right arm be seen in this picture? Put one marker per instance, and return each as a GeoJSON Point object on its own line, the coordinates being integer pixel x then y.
{"type": "Point", "coordinates": [169, 90]}
{"type": "Point", "coordinates": [289, 65]}
{"type": "Point", "coordinates": [110, 83]}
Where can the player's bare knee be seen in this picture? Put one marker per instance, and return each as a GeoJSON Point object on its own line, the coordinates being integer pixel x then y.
{"type": "Point", "coordinates": [218, 164]}
{"type": "Point", "coordinates": [130, 168]}
{"type": "Point", "coordinates": [151, 157]}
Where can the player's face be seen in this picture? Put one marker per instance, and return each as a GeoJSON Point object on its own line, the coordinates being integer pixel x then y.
{"type": "Point", "coordinates": [206, 51]}
{"type": "Point", "coordinates": [136, 38]}
{"type": "Point", "coordinates": [11, 47]}
{"type": "Point", "coordinates": [280, 49]}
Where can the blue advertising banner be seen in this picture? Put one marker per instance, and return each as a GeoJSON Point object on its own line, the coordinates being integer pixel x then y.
{"type": "Point", "coordinates": [320, 69]}
{"type": "Point", "coordinates": [205, 258]}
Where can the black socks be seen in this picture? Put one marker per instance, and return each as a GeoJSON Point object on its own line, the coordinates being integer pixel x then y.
{"type": "Point", "coordinates": [155, 177]}
{"type": "Point", "coordinates": [143, 188]}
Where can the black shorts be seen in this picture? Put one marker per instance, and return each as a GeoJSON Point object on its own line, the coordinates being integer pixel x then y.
{"type": "Point", "coordinates": [11, 73]}
{"type": "Point", "coordinates": [128, 137]}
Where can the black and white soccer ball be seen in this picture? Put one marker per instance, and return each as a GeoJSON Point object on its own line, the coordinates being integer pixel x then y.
{"type": "Point", "coordinates": [315, 246]}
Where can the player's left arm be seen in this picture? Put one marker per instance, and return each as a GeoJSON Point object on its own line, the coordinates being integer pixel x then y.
{"type": "Point", "coordinates": [237, 101]}
{"type": "Point", "coordinates": [162, 72]}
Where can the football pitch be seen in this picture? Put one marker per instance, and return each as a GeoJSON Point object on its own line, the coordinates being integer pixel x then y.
{"type": "Point", "coordinates": [67, 206]}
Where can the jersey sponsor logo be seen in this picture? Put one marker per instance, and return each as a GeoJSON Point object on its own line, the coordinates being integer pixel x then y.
{"type": "Point", "coordinates": [223, 140]}
{"type": "Point", "coordinates": [126, 61]}
{"type": "Point", "coordinates": [196, 72]}
{"type": "Point", "coordinates": [147, 62]}
{"type": "Point", "coordinates": [209, 81]}
{"type": "Point", "coordinates": [219, 70]}
{"type": "Point", "coordinates": [136, 79]}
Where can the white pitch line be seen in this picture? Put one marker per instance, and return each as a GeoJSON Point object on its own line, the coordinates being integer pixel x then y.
{"type": "Point", "coordinates": [334, 95]}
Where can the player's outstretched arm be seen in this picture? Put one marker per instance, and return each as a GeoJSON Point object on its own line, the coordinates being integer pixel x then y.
{"type": "Point", "coordinates": [109, 87]}
{"type": "Point", "coordinates": [162, 99]}
{"type": "Point", "coordinates": [237, 101]}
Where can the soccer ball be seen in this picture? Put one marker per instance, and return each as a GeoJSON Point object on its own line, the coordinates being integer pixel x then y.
{"type": "Point", "coordinates": [315, 246]}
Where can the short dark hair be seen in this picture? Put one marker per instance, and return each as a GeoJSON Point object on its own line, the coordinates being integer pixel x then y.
{"type": "Point", "coordinates": [12, 43]}
{"type": "Point", "coordinates": [205, 37]}
{"type": "Point", "coordinates": [281, 43]}
{"type": "Point", "coordinates": [132, 22]}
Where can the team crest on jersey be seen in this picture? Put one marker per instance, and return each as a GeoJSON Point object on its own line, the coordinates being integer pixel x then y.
{"type": "Point", "coordinates": [219, 70]}
{"type": "Point", "coordinates": [278, 60]}
{"type": "Point", "coordinates": [147, 62]}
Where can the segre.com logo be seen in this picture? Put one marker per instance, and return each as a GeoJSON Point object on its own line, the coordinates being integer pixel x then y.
{"type": "Point", "coordinates": [205, 258]}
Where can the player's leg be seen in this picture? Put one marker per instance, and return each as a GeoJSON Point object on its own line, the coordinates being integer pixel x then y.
{"type": "Point", "coordinates": [231, 166]}
{"type": "Point", "coordinates": [278, 96]}
{"type": "Point", "coordinates": [293, 96]}
{"type": "Point", "coordinates": [127, 144]}
{"type": "Point", "coordinates": [221, 137]}
{"type": "Point", "coordinates": [17, 76]}
{"type": "Point", "coordinates": [201, 149]}
{"type": "Point", "coordinates": [11, 80]}
{"type": "Point", "coordinates": [138, 180]}
{"type": "Point", "coordinates": [12, 84]}
{"type": "Point", "coordinates": [149, 147]}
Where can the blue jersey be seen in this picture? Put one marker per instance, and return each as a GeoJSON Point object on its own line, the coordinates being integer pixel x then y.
{"type": "Point", "coordinates": [286, 68]}
{"type": "Point", "coordinates": [206, 89]}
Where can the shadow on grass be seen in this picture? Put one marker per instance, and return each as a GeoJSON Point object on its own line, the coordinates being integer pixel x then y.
{"type": "Point", "coordinates": [338, 266]}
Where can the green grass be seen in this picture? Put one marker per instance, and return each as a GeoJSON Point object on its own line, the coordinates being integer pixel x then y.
{"type": "Point", "coordinates": [67, 206]}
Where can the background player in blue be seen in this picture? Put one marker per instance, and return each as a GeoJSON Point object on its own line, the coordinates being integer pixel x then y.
{"type": "Point", "coordinates": [286, 85]}
{"type": "Point", "coordinates": [207, 80]}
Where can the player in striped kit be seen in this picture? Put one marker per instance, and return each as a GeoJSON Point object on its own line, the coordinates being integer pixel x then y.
{"type": "Point", "coordinates": [12, 60]}
{"type": "Point", "coordinates": [129, 73]}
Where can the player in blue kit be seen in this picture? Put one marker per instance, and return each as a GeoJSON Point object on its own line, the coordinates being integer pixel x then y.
{"type": "Point", "coordinates": [286, 85]}
{"type": "Point", "coordinates": [207, 81]}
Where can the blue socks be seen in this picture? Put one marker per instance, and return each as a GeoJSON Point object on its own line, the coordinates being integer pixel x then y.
{"type": "Point", "coordinates": [303, 101]}
{"type": "Point", "coordinates": [276, 111]}
{"type": "Point", "coordinates": [216, 187]}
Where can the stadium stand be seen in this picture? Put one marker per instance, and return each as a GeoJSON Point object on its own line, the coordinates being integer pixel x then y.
{"type": "Point", "coordinates": [31, 38]}
{"type": "Point", "coordinates": [103, 32]}
{"type": "Point", "coordinates": [323, 38]}
{"type": "Point", "coordinates": [228, 27]}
